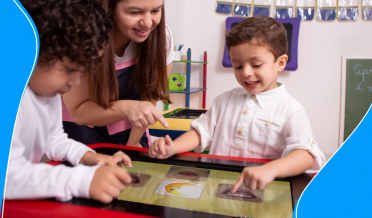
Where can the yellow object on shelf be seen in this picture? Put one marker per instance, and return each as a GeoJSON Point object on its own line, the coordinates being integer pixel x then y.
{"type": "Point", "coordinates": [179, 120]}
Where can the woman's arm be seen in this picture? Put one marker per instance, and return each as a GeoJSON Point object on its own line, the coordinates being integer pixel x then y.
{"type": "Point", "coordinates": [85, 112]}
{"type": "Point", "coordinates": [137, 133]}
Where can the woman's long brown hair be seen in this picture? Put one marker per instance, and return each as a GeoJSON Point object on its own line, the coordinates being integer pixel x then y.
{"type": "Point", "coordinates": [150, 78]}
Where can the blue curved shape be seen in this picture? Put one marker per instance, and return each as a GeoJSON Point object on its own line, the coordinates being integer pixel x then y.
{"type": "Point", "coordinates": [20, 48]}
{"type": "Point", "coordinates": [342, 187]}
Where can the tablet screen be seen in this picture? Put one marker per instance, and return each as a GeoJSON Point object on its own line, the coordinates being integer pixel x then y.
{"type": "Point", "coordinates": [204, 190]}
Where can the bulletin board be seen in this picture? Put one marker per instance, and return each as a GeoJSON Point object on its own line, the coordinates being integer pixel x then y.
{"type": "Point", "coordinates": [356, 93]}
{"type": "Point", "coordinates": [292, 26]}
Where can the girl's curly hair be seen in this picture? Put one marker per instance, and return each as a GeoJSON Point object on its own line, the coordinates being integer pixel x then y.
{"type": "Point", "coordinates": [78, 29]}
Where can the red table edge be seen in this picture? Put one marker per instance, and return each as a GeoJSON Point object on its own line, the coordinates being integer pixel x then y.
{"type": "Point", "coordinates": [107, 145]}
{"type": "Point", "coordinates": [37, 208]}
{"type": "Point", "coordinates": [42, 208]}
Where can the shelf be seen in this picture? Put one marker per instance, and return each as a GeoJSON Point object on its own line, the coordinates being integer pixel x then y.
{"type": "Point", "coordinates": [195, 62]}
{"type": "Point", "coordinates": [192, 90]}
{"type": "Point", "coordinates": [188, 63]}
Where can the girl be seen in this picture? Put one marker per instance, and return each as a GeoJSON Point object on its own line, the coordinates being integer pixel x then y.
{"type": "Point", "coordinates": [140, 49]}
{"type": "Point", "coordinates": [63, 56]}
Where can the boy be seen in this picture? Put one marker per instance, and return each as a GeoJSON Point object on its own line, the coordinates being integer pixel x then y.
{"type": "Point", "coordinates": [259, 119]}
{"type": "Point", "coordinates": [72, 35]}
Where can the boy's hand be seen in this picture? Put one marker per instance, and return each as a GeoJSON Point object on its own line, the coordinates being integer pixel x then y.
{"type": "Point", "coordinates": [255, 178]}
{"type": "Point", "coordinates": [162, 148]}
{"type": "Point", "coordinates": [91, 159]}
{"type": "Point", "coordinates": [108, 182]}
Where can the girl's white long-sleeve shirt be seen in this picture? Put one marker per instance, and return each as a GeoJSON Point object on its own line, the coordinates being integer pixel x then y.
{"type": "Point", "coordinates": [266, 125]}
{"type": "Point", "coordinates": [38, 131]}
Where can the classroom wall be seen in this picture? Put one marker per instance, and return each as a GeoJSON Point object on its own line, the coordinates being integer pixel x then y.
{"type": "Point", "coordinates": [316, 83]}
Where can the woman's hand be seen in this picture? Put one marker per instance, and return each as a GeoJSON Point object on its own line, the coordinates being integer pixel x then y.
{"type": "Point", "coordinates": [142, 113]}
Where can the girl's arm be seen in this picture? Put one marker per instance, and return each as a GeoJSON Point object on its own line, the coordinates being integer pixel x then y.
{"type": "Point", "coordinates": [85, 112]}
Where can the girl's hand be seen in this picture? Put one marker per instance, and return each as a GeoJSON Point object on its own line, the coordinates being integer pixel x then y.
{"type": "Point", "coordinates": [108, 182]}
{"type": "Point", "coordinates": [91, 159]}
{"type": "Point", "coordinates": [162, 148]}
{"type": "Point", "coordinates": [255, 178]}
{"type": "Point", "coordinates": [143, 113]}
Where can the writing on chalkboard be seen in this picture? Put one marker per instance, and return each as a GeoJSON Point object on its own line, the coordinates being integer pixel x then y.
{"type": "Point", "coordinates": [358, 70]}
{"type": "Point", "coordinates": [356, 96]}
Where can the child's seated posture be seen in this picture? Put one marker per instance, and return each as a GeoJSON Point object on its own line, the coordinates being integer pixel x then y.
{"type": "Point", "coordinates": [257, 120]}
{"type": "Point", "coordinates": [72, 35]}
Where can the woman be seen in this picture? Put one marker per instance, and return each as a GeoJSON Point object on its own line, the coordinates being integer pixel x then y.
{"type": "Point", "coordinates": [135, 66]}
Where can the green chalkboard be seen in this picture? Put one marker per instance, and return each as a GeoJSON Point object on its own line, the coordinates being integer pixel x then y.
{"type": "Point", "coordinates": [356, 92]}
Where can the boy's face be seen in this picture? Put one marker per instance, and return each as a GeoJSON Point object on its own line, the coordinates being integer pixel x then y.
{"type": "Point", "coordinates": [55, 78]}
{"type": "Point", "coordinates": [135, 19]}
{"type": "Point", "coordinates": [255, 67]}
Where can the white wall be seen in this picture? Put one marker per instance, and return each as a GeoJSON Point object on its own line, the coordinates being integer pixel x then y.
{"type": "Point", "coordinates": [316, 83]}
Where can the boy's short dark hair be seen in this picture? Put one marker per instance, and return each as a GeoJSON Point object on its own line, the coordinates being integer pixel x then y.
{"type": "Point", "coordinates": [266, 30]}
{"type": "Point", "coordinates": [78, 29]}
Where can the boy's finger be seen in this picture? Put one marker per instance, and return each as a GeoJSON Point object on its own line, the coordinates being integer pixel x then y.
{"type": "Point", "coordinates": [162, 148]}
{"type": "Point", "coordinates": [152, 151]}
{"type": "Point", "coordinates": [168, 140]}
{"type": "Point", "coordinates": [116, 183]}
{"type": "Point", "coordinates": [238, 183]}
{"type": "Point", "coordinates": [127, 161]}
{"type": "Point", "coordinates": [122, 175]}
{"type": "Point", "coordinates": [118, 153]}
{"type": "Point", "coordinates": [252, 184]}
{"type": "Point", "coordinates": [156, 147]}
{"type": "Point", "coordinates": [112, 191]}
{"type": "Point", "coordinates": [160, 118]}
{"type": "Point", "coordinates": [122, 157]}
{"type": "Point", "coordinates": [105, 198]}
{"type": "Point", "coordinates": [261, 185]}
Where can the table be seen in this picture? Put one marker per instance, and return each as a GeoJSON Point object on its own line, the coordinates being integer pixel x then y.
{"type": "Point", "coordinates": [193, 171]}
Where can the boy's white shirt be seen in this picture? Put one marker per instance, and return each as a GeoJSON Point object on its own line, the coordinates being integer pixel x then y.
{"type": "Point", "coordinates": [269, 125]}
{"type": "Point", "coordinates": [38, 131]}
